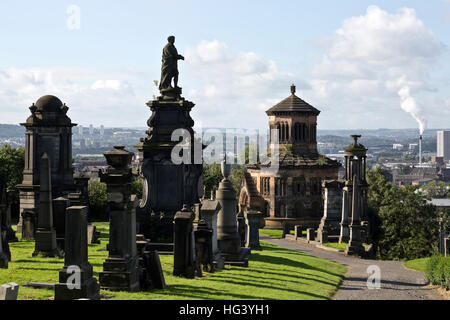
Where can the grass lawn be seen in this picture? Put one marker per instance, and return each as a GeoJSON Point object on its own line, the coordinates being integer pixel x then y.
{"type": "Point", "coordinates": [274, 273]}
{"type": "Point", "coordinates": [417, 264]}
{"type": "Point", "coordinates": [277, 233]}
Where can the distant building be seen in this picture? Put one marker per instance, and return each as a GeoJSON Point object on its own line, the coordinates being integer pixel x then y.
{"type": "Point", "coordinates": [443, 145]}
{"type": "Point", "coordinates": [91, 129]}
{"type": "Point", "coordinates": [413, 146]}
{"type": "Point", "coordinates": [397, 146]}
{"type": "Point", "coordinates": [80, 130]}
{"type": "Point", "coordinates": [102, 130]}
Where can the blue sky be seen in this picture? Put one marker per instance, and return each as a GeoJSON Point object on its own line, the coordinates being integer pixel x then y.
{"type": "Point", "coordinates": [242, 57]}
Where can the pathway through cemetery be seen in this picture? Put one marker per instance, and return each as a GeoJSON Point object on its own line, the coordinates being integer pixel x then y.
{"type": "Point", "coordinates": [397, 282]}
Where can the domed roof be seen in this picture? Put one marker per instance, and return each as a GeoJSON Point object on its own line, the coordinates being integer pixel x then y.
{"type": "Point", "coordinates": [48, 104]}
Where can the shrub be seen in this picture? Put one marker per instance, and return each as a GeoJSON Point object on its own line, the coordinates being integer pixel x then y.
{"type": "Point", "coordinates": [437, 271]}
{"type": "Point", "coordinates": [97, 198]}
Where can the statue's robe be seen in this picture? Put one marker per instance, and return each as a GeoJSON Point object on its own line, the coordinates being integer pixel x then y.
{"type": "Point", "coordinates": [169, 67]}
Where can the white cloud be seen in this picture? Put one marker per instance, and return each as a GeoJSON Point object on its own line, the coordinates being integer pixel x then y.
{"type": "Point", "coordinates": [368, 60]}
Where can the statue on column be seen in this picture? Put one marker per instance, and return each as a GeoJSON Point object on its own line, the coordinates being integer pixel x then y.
{"type": "Point", "coordinates": [169, 69]}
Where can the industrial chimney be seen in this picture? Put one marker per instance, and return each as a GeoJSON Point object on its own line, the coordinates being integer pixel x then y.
{"type": "Point", "coordinates": [420, 149]}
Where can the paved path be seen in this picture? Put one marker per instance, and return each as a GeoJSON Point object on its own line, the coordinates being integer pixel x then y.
{"type": "Point", "coordinates": [397, 282]}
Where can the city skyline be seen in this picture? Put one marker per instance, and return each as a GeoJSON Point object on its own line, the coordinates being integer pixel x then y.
{"type": "Point", "coordinates": [230, 69]}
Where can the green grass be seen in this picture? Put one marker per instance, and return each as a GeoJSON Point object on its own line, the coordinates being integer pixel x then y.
{"type": "Point", "coordinates": [277, 233]}
{"type": "Point", "coordinates": [274, 273]}
{"type": "Point", "coordinates": [417, 264]}
{"type": "Point", "coordinates": [336, 245]}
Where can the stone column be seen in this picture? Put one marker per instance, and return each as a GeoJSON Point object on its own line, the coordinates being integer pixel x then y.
{"type": "Point", "coordinates": [45, 237]}
{"type": "Point", "coordinates": [121, 268]}
{"type": "Point", "coordinates": [183, 256]}
{"type": "Point", "coordinates": [228, 237]}
{"type": "Point", "coordinates": [59, 219]}
{"type": "Point", "coordinates": [76, 258]}
{"type": "Point", "coordinates": [252, 219]}
{"type": "Point", "coordinates": [209, 211]}
{"type": "Point", "coordinates": [4, 259]}
{"type": "Point", "coordinates": [355, 246]}
{"type": "Point", "coordinates": [344, 233]}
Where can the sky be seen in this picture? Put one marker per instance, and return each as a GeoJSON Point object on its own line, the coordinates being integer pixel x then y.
{"type": "Point", "coordinates": [364, 64]}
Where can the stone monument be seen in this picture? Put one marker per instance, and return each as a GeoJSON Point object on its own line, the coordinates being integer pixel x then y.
{"type": "Point", "coordinates": [228, 238]}
{"type": "Point", "coordinates": [332, 209]}
{"type": "Point", "coordinates": [167, 185]}
{"type": "Point", "coordinates": [184, 261]}
{"type": "Point", "coordinates": [356, 189]}
{"type": "Point", "coordinates": [252, 219]}
{"type": "Point", "coordinates": [209, 211]}
{"type": "Point", "coordinates": [76, 256]}
{"type": "Point", "coordinates": [203, 246]}
{"type": "Point", "coordinates": [45, 236]}
{"type": "Point", "coordinates": [121, 268]}
{"type": "Point", "coordinates": [48, 130]}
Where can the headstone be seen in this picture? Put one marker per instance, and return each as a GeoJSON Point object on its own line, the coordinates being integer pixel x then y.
{"type": "Point", "coordinates": [322, 236]}
{"type": "Point", "coordinates": [153, 265]}
{"type": "Point", "coordinates": [242, 228]}
{"type": "Point", "coordinates": [209, 212]}
{"type": "Point", "coordinates": [184, 263]}
{"type": "Point", "coordinates": [344, 234]}
{"type": "Point", "coordinates": [298, 232]}
{"type": "Point", "coordinates": [45, 237]}
{"type": "Point", "coordinates": [447, 246]}
{"type": "Point", "coordinates": [9, 292]}
{"type": "Point", "coordinates": [332, 208]}
{"type": "Point", "coordinates": [286, 229]}
{"type": "Point", "coordinates": [6, 205]}
{"type": "Point", "coordinates": [121, 269]}
{"type": "Point", "coordinates": [4, 258]}
{"type": "Point", "coordinates": [252, 219]}
{"type": "Point", "coordinates": [28, 224]}
{"type": "Point", "coordinates": [93, 235]}
{"type": "Point", "coordinates": [59, 219]}
{"type": "Point", "coordinates": [203, 246]}
{"type": "Point", "coordinates": [228, 238]}
{"type": "Point", "coordinates": [310, 234]}
{"type": "Point", "coordinates": [76, 264]}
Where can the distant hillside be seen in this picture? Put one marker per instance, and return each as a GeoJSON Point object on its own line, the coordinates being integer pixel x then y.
{"type": "Point", "coordinates": [11, 130]}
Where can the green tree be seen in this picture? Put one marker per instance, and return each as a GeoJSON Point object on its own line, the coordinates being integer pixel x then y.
{"type": "Point", "coordinates": [409, 225]}
{"type": "Point", "coordinates": [237, 173]}
{"type": "Point", "coordinates": [97, 197]}
{"type": "Point", "coordinates": [436, 190]}
{"type": "Point", "coordinates": [212, 176]}
{"type": "Point", "coordinates": [12, 162]}
{"type": "Point", "coordinates": [137, 187]}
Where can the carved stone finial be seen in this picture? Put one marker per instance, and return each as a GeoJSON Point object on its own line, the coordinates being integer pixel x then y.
{"type": "Point", "coordinates": [293, 88]}
{"type": "Point", "coordinates": [355, 137]}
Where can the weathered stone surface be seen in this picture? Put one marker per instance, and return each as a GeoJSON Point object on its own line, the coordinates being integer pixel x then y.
{"type": "Point", "coordinates": [121, 269]}
{"type": "Point", "coordinates": [45, 237]}
{"type": "Point", "coordinates": [184, 262]}
{"type": "Point", "coordinates": [29, 224]}
{"type": "Point", "coordinates": [447, 246]}
{"type": "Point", "coordinates": [48, 130]}
{"type": "Point", "coordinates": [59, 219]}
{"type": "Point", "coordinates": [310, 234]}
{"type": "Point", "coordinates": [298, 232]}
{"type": "Point", "coordinates": [252, 219]}
{"type": "Point", "coordinates": [203, 246]}
{"type": "Point", "coordinates": [9, 291]}
{"type": "Point", "coordinates": [154, 269]}
{"type": "Point", "coordinates": [229, 240]}
{"type": "Point", "coordinates": [93, 235]}
{"type": "Point", "coordinates": [76, 260]}
{"type": "Point", "coordinates": [332, 209]}
{"type": "Point", "coordinates": [209, 212]}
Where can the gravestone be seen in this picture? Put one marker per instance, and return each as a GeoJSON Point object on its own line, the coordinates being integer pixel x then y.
{"type": "Point", "coordinates": [5, 210]}
{"type": "Point", "coordinates": [48, 129]}
{"type": "Point", "coordinates": [242, 228]}
{"type": "Point", "coordinates": [298, 232]}
{"type": "Point", "coordinates": [286, 229]}
{"type": "Point", "coordinates": [209, 211]}
{"type": "Point", "coordinates": [332, 209]}
{"type": "Point", "coordinates": [252, 219]}
{"type": "Point", "coordinates": [9, 292]}
{"type": "Point", "coordinates": [93, 235]}
{"type": "Point", "coordinates": [4, 258]}
{"type": "Point", "coordinates": [45, 236]}
{"type": "Point", "coordinates": [322, 236]}
{"type": "Point", "coordinates": [76, 260]}
{"type": "Point", "coordinates": [447, 246]}
{"type": "Point", "coordinates": [121, 269]}
{"type": "Point", "coordinates": [59, 219]}
{"type": "Point", "coordinates": [228, 238]}
{"type": "Point", "coordinates": [153, 266]}
{"type": "Point", "coordinates": [310, 234]}
{"type": "Point", "coordinates": [203, 246]}
{"type": "Point", "coordinates": [344, 234]}
{"type": "Point", "coordinates": [29, 224]}
{"type": "Point", "coordinates": [184, 262]}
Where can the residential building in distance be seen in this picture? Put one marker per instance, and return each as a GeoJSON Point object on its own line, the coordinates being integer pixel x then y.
{"type": "Point", "coordinates": [443, 145]}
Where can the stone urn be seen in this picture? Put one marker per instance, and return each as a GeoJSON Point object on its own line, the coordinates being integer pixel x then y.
{"type": "Point", "coordinates": [119, 157]}
{"type": "Point", "coordinates": [226, 169]}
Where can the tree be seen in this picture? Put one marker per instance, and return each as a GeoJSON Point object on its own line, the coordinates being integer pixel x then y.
{"type": "Point", "coordinates": [12, 163]}
{"type": "Point", "coordinates": [237, 172]}
{"type": "Point", "coordinates": [97, 197]}
{"type": "Point", "coordinates": [436, 190]}
{"type": "Point", "coordinates": [410, 226]}
{"type": "Point", "coordinates": [137, 187]}
{"type": "Point", "coordinates": [212, 176]}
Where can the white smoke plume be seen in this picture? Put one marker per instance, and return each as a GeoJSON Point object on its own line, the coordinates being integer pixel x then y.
{"type": "Point", "coordinates": [409, 105]}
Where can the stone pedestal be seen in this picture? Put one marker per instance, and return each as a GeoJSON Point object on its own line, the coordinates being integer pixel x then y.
{"type": "Point", "coordinates": [322, 236]}
{"type": "Point", "coordinates": [76, 256]}
{"type": "Point", "coordinates": [121, 268]}
{"type": "Point", "coordinates": [59, 219]}
{"type": "Point", "coordinates": [228, 238]}
{"type": "Point", "coordinates": [9, 292]}
{"type": "Point", "coordinates": [252, 219]}
{"type": "Point", "coordinates": [48, 130]}
{"type": "Point", "coordinates": [29, 225]}
{"type": "Point", "coordinates": [310, 234]}
{"type": "Point", "coordinates": [4, 259]}
{"type": "Point", "coordinates": [167, 185]}
{"type": "Point", "coordinates": [355, 246]}
{"type": "Point", "coordinates": [332, 209]}
{"type": "Point", "coordinates": [298, 232]}
{"type": "Point", "coordinates": [184, 263]}
{"type": "Point", "coordinates": [209, 212]}
{"type": "Point", "coordinates": [344, 234]}
{"type": "Point", "coordinates": [242, 228]}
{"type": "Point", "coordinates": [203, 246]}
{"type": "Point", "coordinates": [447, 246]}
{"type": "Point", "coordinates": [45, 237]}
